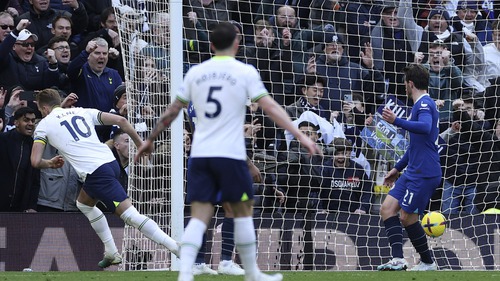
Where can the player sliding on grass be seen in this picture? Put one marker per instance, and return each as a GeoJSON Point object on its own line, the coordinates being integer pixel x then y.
{"type": "Point", "coordinates": [71, 131]}
{"type": "Point", "coordinates": [219, 89]}
{"type": "Point", "coordinates": [413, 190]}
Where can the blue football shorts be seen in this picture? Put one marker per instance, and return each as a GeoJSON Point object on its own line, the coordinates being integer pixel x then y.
{"type": "Point", "coordinates": [218, 179]}
{"type": "Point", "coordinates": [103, 185]}
{"type": "Point", "coordinates": [413, 194]}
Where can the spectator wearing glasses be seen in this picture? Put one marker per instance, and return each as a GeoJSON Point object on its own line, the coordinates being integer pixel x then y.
{"type": "Point", "coordinates": [63, 53]}
{"type": "Point", "coordinates": [6, 25]}
{"type": "Point", "coordinates": [20, 65]}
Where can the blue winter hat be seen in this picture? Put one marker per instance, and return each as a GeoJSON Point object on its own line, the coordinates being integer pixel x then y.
{"type": "Point", "coordinates": [440, 11]}
{"type": "Point", "coordinates": [331, 36]}
{"type": "Point", "coordinates": [467, 4]}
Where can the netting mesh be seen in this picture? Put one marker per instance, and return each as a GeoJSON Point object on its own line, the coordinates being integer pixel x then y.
{"type": "Point", "coordinates": [340, 62]}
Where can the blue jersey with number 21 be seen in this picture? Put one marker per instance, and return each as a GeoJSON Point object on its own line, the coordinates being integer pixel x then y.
{"type": "Point", "coordinates": [421, 158]}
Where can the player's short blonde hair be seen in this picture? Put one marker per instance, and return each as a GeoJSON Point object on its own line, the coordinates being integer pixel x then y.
{"type": "Point", "coordinates": [48, 97]}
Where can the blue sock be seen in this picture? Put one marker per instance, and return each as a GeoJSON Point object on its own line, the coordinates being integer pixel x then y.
{"type": "Point", "coordinates": [227, 239]}
{"type": "Point", "coordinates": [419, 240]}
{"type": "Point", "coordinates": [394, 232]}
{"type": "Point", "coordinates": [200, 258]}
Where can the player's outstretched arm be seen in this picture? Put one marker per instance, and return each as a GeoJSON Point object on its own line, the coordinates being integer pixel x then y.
{"type": "Point", "coordinates": [280, 117]}
{"type": "Point", "coordinates": [165, 120]}
{"type": "Point", "coordinates": [122, 122]}
{"type": "Point", "coordinates": [38, 162]}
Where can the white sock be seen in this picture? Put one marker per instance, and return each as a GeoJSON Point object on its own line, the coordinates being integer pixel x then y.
{"type": "Point", "coordinates": [245, 241]}
{"type": "Point", "coordinates": [100, 225]}
{"type": "Point", "coordinates": [191, 243]}
{"type": "Point", "coordinates": [148, 227]}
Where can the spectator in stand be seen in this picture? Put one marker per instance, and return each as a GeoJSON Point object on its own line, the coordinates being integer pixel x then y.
{"type": "Point", "coordinates": [445, 81]}
{"type": "Point", "coordinates": [41, 16]}
{"type": "Point", "coordinates": [345, 186]}
{"type": "Point", "coordinates": [62, 27]}
{"type": "Point", "coordinates": [121, 152]}
{"type": "Point", "coordinates": [312, 91]}
{"type": "Point", "coordinates": [93, 82]}
{"type": "Point", "coordinates": [94, 9]}
{"type": "Point", "coordinates": [354, 119]}
{"type": "Point", "coordinates": [492, 100]}
{"type": "Point", "coordinates": [469, 104]}
{"type": "Point", "coordinates": [62, 51]}
{"type": "Point", "coordinates": [12, 102]}
{"type": "Point", "coordinates": [300, 178]}
{"type": "Point", "coordinates": [12, 7]}
{"type": "Point", "coordinates": [6, 25]}
{"type": "Point", "coordinates": [20, 65]}
{"type": "Point", "coordinates": [467, 164]}
{"type": "Point", "coordinates": [20, 181]}
{"type": "Point", "coordinates": [274, 63]}
{"type": "Point", "coordinates": [59, 187]}
{"type": "Point", "coordinates": [345, 76]}
{"type": "Point", "coordinates": [108, 31]}
{"type": "Point", "coordinates": [467, 55]}
{"type": "Point", "coordinates": [361, 17]}
{"type": "Point", "coordinates": [392, 47]}
{"type": "Point", "coordinates": [492, 54]}
{"type": "Point", "coordinates": [470, 21]}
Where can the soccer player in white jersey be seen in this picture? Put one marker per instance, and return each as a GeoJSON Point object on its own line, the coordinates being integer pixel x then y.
{"type": "Point", "coordinates": [218, 89]}
{"type": "Point", "coordinates": [71, 131]}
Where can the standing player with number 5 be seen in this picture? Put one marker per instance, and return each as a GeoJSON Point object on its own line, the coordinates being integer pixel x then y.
{"type": "Point", "coordinates": [413, 190]}
{"type": "Point", "coordinates": [71, 131]}
{"type": "Point", "coordinates": [219, 89]}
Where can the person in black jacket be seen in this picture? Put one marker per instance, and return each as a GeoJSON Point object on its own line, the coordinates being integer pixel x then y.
{"type": "Point", "coordinates": [41, 17]}
{"type": "Point", "coordinates": [468, 161]}
{"type": "Point", "coordinates": [345, 187]}
{"type": "Point", "coordinates": [301, 177]}
{"type": "Point", "coordinates": [20, 181]}
{"type": "Point", "coordinates": [20, 65]}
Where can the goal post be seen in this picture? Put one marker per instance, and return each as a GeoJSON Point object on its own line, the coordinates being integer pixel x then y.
{"type": "Point", "coordinates": [309, 215]}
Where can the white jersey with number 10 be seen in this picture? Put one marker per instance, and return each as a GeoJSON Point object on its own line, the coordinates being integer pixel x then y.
{"type": "Point", "coordinates": [219, 89]}
{"type": "Point", "coordinates": [71, 131]}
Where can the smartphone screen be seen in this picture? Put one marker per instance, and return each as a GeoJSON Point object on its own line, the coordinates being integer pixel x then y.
{"type": "Point", "coordinates": [348, 97]}
{"type": "Point", "coordinates": [27, 96]}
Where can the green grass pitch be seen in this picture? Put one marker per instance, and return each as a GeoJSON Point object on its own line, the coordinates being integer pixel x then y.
{"type": "Point", "coordinates": [288, 276]}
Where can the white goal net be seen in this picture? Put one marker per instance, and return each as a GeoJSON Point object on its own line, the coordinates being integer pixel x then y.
{"type": "Point", "coordinates": [333, 65]}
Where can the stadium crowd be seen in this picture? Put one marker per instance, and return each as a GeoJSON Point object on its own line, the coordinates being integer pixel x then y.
{"type": "Point", "coordinates": [331, 64]}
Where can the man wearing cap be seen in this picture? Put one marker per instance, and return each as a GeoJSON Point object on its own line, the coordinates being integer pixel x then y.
{"type": "Point", "coordinates": [469, 21]}
{"type": "Point", "coordinates": [345, 76]}
{"type": "Point", "coordinates": [20, 65]}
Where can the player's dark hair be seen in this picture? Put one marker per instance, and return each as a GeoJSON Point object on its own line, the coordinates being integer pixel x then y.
{"type": "Point", "coordinates": [223, 35]}
{"type": "Point", "coordinates": [418, 74]}
{"type": "Point", "coordinates": [21, 112]}
{"type": "Point", "coordinates": [48, 97]}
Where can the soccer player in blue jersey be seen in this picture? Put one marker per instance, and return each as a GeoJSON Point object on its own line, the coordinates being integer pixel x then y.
{"type": "Point", "coordinates": [219, 89]}
{"type": "Point", "coordinates": [414, 188]}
